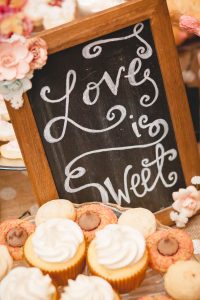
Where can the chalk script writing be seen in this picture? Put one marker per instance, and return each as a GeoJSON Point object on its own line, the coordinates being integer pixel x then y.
{"type": "Point", "coordinates": [137, 183]}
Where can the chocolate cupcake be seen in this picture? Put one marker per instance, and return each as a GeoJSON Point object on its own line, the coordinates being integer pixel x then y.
{"type": "Point", "coordinates": [94, 217]}
{"type": "Point", "coordinates": [13, 234]}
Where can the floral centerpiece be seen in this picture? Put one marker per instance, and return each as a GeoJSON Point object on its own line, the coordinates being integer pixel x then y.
{"type": "Point", "coordinates": [19, 58]}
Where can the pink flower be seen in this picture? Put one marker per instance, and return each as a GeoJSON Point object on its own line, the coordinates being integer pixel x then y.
{"type": "Point", "coordinates": [15, 60]}
{"type": "Point", "coordinates": [38, 48]}
{"type": "Point", "coordinates": [187, 201]}
{"type": "Point", "coordinates": [190, 24]}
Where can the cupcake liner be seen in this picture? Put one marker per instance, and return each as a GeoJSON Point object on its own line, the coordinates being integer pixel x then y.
{"type": "Point", "coordinates": [63, 272]}
{"type": "Point", "coordinates": [60, 277]}
{"type": "Point", "coordinates": [123, 285]}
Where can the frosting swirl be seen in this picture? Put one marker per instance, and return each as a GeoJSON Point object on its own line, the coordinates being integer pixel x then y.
{"type": "Point", "coordinates": [6, 261]}
{"type": "Point", "coordinates": [118, 246]}
{"type": "Point", "coordinates": [22, 283]}
{"type": "Point", "coordinates": [88, 287]}
{"type": "Point", "coordinates": [57, 240]}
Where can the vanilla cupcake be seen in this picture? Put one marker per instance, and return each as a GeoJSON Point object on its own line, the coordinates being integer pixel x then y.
{"type": "Point", "coordinates": [118, 254]}
{"type": "Point", "coordinates": [27, 283]}
{"type": "Point", "coordinates": [89, 287]}
{"type": "Point", "coordinates": [11, 150]}
{"type": "Point", "coordinates": [92, 6]}
{"type": "Point", "coordinates": [6, 131]}
{"type": "Point", "coordinates": [58, 208]}
{"type": "Point", "coordinates": [57, 247]}
{"type": "Point", "coordinates": [6, 261]}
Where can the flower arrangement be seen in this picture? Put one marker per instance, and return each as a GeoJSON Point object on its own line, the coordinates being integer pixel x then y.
{"type": "Point", "coordinates": [186, 204]}
{"type": "Point", "coordinates": [190, 24]}
{"type": "Point", "coordinates": [19, 58]}
{"type": "Point", "coordinates": [13, 20]}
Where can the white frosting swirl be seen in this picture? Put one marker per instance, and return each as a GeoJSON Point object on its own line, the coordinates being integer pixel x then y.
{"type": "Point", "coordinates": [118, 246]}
{"type": "Point", "coordinates": [26, 283]}
{"type": "Point", "coordinates": [57, 240]}
{"type": "Point", "coordinates": [88, 287]}
{"type": "Point", "coordinates": [6, 261]}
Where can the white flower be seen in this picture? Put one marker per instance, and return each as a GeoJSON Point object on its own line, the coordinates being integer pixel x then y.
{"type": "Point", "coordinates": [188, 76]}
{"type": "Point", "coordinates": [93, 6]}
{"type": "Point", "coordinates": [35, 10]}
{"type": "Point", "coordinates": [56, 16]}
{"type": "Point", "coordinates": [195, 180]}
{"type": "Point", "coordinates": [13, 90]}
{"type": "Point", "coordinates": [180, 219]}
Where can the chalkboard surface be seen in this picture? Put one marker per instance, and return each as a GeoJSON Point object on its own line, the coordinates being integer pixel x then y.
{"type": "Point", "coordinates": [103, 118]}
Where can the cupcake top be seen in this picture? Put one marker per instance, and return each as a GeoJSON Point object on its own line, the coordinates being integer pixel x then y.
{"type": "Point", "coordinates": [58, 208]}
{"type": "Point", "coordinates": [88, 287]}
{"type": "Point", "coordinates": [26, 283]}
{"type": "Point", "coordinates": [118, 246]}
{"type": "Point", "coordinates": [6, 261]}
{"type": "Point", "coordinates": [57, 240]}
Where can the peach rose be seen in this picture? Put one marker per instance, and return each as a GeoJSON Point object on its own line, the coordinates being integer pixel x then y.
{"type": "Point", "coordinates": [190, 24]}
{"type": "Point", "coordinates": [15, 60]}
{"type": "Point", "coordinates": [38, 48]}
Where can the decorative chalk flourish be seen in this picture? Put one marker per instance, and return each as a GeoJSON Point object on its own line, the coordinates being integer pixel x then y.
{"type": "Point", "coordinates": [142, 52]}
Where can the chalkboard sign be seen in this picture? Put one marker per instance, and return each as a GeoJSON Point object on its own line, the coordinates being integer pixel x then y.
{"type": "Point", "coordinates": [106, 116]}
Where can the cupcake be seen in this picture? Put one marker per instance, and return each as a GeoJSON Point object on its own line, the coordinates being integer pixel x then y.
{"type": "Point", "coordinates": [168, 246]}
{"type": "Point", "coordinates": [118, 254]}
{"type": "Point", "coordinates": [139, 218]}
{"type": "Point", "coordinates": [182, 280]}
{"type": "Point", "coordinates": [57, 247]}
{"type": "Point", "coordinates": [27, 283]}
{"type": "Point", "coordinates": [89, 287]}
{"type": "Point", "coordinates": [58, 208]}
{"type": "Point", "coordinates": [94, 217]}
{"type": "Point", "coordinates": [13, 234]}
{"type": "Point", "coordinates": [6, 261]}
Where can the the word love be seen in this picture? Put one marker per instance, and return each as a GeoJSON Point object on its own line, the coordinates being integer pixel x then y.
{"type": "Point", "coordinates": [117, 113]}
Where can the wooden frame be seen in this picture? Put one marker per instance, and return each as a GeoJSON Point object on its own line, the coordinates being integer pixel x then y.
{"type": "Point", "coordinates": [92, 27]}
